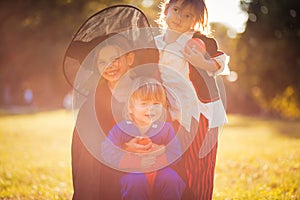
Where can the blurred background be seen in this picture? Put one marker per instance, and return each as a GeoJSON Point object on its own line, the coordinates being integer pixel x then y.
{"type": "Point", "coordinates": [264, 50]}
{"type": "Point", "coordinates": [258, 153]}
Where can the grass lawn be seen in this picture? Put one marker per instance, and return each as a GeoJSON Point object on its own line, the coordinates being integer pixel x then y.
{"type": "Point", "coordinates": [257, 158]}
{"type": "Point", "coordinates": [35, 156]}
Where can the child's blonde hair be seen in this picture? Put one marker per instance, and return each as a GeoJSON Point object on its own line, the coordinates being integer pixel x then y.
{"type": "Point", "coordinates": [199, 7]}
{"type": "Point", "coordinates": [145, 89]}
{"type": "Point", "coordinates": [148, 89]}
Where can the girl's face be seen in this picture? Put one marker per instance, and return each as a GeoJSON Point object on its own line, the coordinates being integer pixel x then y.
{"type": "Point", "coordinates": [111, 65]}
{"type": "Point", "coordinates": [145, 112]}
{"type": "Point", "coordinates": [178, 18]}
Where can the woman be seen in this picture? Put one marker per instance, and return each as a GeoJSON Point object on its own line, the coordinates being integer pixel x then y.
{"type": "Point", "coordinates": [93, 97]}
{"type": "Point", "coordinates": [91, 178]}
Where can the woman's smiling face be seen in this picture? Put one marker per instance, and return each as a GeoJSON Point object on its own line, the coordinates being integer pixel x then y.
{"type": "Point", "coordinates": [111, 65]}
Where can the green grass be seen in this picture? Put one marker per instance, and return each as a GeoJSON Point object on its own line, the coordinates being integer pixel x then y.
{"type": "Point", "coordinates": [35, 156]}
{"type": "Point", "coordinates": [257, 158]}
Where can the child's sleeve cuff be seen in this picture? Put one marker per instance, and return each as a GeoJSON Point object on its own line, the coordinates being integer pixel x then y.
{"type": "Point", "coordinates": [222, 61]}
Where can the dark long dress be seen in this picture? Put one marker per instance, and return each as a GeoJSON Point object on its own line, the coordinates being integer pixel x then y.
{"type": "Point", "coordinates": [92, 179]}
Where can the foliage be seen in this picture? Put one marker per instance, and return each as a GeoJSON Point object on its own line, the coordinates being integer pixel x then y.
{"type": "Point", "coordinates": [286, 104]}
{"type": "Point", "coordinates": [269, 58]}
{"type": "Point", "coordinates": [35, 35]}
{"type": "Point", "coordinates": [35, 160]}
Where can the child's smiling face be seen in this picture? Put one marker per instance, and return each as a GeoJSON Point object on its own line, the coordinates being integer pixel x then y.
{"type": "Point", "coordinates": [145, 112]}
{"type": "Point", "coordinates": [179, 18]}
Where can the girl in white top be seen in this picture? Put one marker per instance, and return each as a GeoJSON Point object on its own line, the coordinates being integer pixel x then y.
{"type": "Point", "coordinates": [189, 76]}
{"type": "Point", "coordinates": [176, 57]}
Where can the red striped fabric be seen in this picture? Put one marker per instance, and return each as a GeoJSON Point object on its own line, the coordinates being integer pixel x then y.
{"type": "Point", "coordinates": [200, 171]}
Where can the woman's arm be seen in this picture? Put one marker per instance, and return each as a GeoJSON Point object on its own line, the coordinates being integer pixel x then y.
{"type": "Point", "coordinates": [112, 152]}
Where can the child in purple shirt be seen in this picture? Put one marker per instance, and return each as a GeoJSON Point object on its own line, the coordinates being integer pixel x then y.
{"type": "Point", "coordinates": [145, 113]}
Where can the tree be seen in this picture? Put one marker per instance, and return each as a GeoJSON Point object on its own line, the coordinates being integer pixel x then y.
{"type": "Point", "coordinates": [34, 37]}
{"type": "Point", "coordinates": [269, 55]}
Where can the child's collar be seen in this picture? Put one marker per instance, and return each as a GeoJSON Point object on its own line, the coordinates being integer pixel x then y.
{"type": "Point", "coordinates": [128, 127]}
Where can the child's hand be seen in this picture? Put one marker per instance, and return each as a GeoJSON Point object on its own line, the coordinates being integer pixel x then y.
{"type": "Point", "coordinates": [134, 146]}
{"type": "Point", "coordinates": [194, 56]}
{"type": "Point", "coordinates": [157, 150]}
{"type": "Point", "coordinates": [194, 53]}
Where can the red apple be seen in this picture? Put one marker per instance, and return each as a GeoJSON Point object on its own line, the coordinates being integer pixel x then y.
{"type": "Point", "coordinates": [195, 43]}
{"type": "Point", "coordinates": [144, 140]}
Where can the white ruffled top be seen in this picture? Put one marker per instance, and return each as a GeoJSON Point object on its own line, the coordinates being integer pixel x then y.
{"type": "Point", "coordinates": [184, 103]}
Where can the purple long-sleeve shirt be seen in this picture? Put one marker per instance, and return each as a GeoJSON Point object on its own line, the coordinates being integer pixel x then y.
{"type": "Point", "coordinates": [161, 133]}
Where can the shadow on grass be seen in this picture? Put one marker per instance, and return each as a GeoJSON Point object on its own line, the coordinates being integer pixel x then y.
{"type": "Point", "coordinates": [17, 110]}
{"type": "Point", "coordinates": [287, 128]}
{"type": "Point", "coordinates": [24, 110]}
